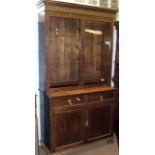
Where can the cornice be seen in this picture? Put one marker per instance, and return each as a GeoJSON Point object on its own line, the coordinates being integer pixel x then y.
{"type": "Point", "coordinates": [63, 7]}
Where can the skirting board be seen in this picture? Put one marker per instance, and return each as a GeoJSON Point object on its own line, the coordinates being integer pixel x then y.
{"type": "Point", "coordinates": [80, 147]}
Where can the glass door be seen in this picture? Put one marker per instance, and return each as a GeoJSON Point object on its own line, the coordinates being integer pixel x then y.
{"type": "Point", "coordinates": [64, 51]}
{"type": "Point", "coordinates": [97, 53]}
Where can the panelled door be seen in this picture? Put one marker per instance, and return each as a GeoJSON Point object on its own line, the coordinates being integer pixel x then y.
{"type": "Point", "coordinates": [67, 127]}
{"type": "Point", "coordinates": [97, 52]}
{"type": "Point", "coordinates": [99, 120]}
{"type": "Point", "coordinates": [64, 52]}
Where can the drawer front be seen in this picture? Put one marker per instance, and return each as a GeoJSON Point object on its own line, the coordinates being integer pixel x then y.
{"type": "Point", "coordinates": [100, 97]}
{"type": "Point", "coordinates": [67, 100]}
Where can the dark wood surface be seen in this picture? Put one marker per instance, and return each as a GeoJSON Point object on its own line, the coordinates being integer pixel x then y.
{"type": "Point", "coordinates": [79, 91]}
{"type": "Point", "coordinates": [78, 119]}
{"type": "Point", "coordinates": [116, 82]}
{"type": "Point", "coordinates": [96, 53]}
{"type": "Point", "coordinates": [67, 127]}
{"type": "Point", "coordinates": [64, 50]}
{"type": "Point", "coordinates": [41, 54]}
{"type": "Point", "coordinates": [99, 120]}
{"type": "Point", "coordinates": [77, 101]}
{"type": "Point", "coordinates": [74, 6]}
{"type": "Point", "coordinates": [116, 73]}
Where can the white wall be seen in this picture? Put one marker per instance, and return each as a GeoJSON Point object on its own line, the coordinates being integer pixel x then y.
{"type": "Point", "coordinates": [17, 77]}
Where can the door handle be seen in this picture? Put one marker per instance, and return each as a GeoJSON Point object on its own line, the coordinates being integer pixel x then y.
{"type": "Point", "coordinates": [101, 98]}
{"type": "Point", "coordinates": [87, 123]}
{"type": "Point", "coordinates": [78, 99]}
{"type": "Point", "coordinates": [69, 102]}
{"type": "Point", "coordinates": [102, 80]}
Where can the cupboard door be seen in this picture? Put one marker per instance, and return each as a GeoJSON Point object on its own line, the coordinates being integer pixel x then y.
{"type": "Point", "coordinates": [64, 51]}
{"type": "Point", "coordinates": [99, 121]}
{"type": "Point", "coordinates": [68, 128]}
{"type": "Point", "coordinates": [97, 52]}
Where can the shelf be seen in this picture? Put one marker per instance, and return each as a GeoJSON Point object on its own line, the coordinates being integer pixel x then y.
{"type": "Point", "coordinates": [79, 91]}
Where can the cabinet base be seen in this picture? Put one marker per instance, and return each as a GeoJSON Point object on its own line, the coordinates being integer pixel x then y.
{"type": "Point", "coordinates": [108, 140]}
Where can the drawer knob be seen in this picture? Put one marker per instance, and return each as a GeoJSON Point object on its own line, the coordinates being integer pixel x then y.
{"type": "Point", "coordinates": [78, 99]}
{"type": "Point", "coordinates": [69, 102]}
{"type": "Point", "coordinates": [102, 80]}
{"type": "Point", "coordinates": [87, 123]}
{"type": "Point", "coordinates": [101, 98]}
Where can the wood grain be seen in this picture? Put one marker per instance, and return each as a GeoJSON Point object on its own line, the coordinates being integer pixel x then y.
{"type": "Point", "coordinates": [79, 91]}
{"type": "Point", "coordinates": [64, 50]}
{"type": "Point", "coordinates": [75, 106]}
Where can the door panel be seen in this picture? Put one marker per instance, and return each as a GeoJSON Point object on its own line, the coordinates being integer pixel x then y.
{"type": "Point", "coordinates": [64, 51]}
{"type": "Point", "coordinates": [99, 121]}
{"type": "Point", "coordinates": [68, 127]}
{"type": "Point", "coordinates": [97, 52]}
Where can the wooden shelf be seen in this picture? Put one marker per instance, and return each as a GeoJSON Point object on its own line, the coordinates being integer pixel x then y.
{"type": "Point", "coordinates": [79, 91]}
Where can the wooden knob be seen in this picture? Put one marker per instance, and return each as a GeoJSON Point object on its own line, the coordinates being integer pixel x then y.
{"type": "Point", "coordinates": [101, 98]}
{"type": "Point", "coordinates": [87, 123]}
{"type": "Point", "coordinates": [102, 80]}
{"type": "Point", "coordinates": [69, 101]}
{"type": "Point", "coordinates": [78, 99]}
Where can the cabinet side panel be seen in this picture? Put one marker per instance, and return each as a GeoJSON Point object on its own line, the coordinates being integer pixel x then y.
{"type": "Point", "coordinates": [46, 122]}
{"type": "Point", "coordinates": [107, 55]}
{"type": "Point", "coordinates": [44, 119]}
{"type": "Point", "coordinates": [41, 116]}
{"type": "Point", "coordinates": [41, 54]}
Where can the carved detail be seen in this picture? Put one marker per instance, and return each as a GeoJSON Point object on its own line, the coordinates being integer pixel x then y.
{"type": "Point", "coordinates": [77, 11]}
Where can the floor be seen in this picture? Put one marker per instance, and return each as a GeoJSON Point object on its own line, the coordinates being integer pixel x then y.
{"type": "Point", "coordinates": [98, 148]}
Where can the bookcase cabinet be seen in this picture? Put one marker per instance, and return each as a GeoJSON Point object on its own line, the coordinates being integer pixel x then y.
{"type": "Point", "coordinates": [75, 62]}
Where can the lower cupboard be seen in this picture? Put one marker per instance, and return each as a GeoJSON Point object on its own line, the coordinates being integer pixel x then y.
{"type": "Point", "coordinates": [76, 119]}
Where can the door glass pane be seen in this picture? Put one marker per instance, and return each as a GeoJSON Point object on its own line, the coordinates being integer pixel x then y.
{"type": "Point", "coordinates": [64, 51]}
{"type": "Point", "coordinates": [97, 52]}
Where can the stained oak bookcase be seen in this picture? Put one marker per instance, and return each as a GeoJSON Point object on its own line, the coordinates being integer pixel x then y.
{"type": "Point", "coordinates": [77, 100]}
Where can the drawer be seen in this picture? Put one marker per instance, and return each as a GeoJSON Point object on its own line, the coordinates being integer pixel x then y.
{"type": "Point", "coordinates": [99, 97]}
{"type": "Point", "coordinates": [67, 100]}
